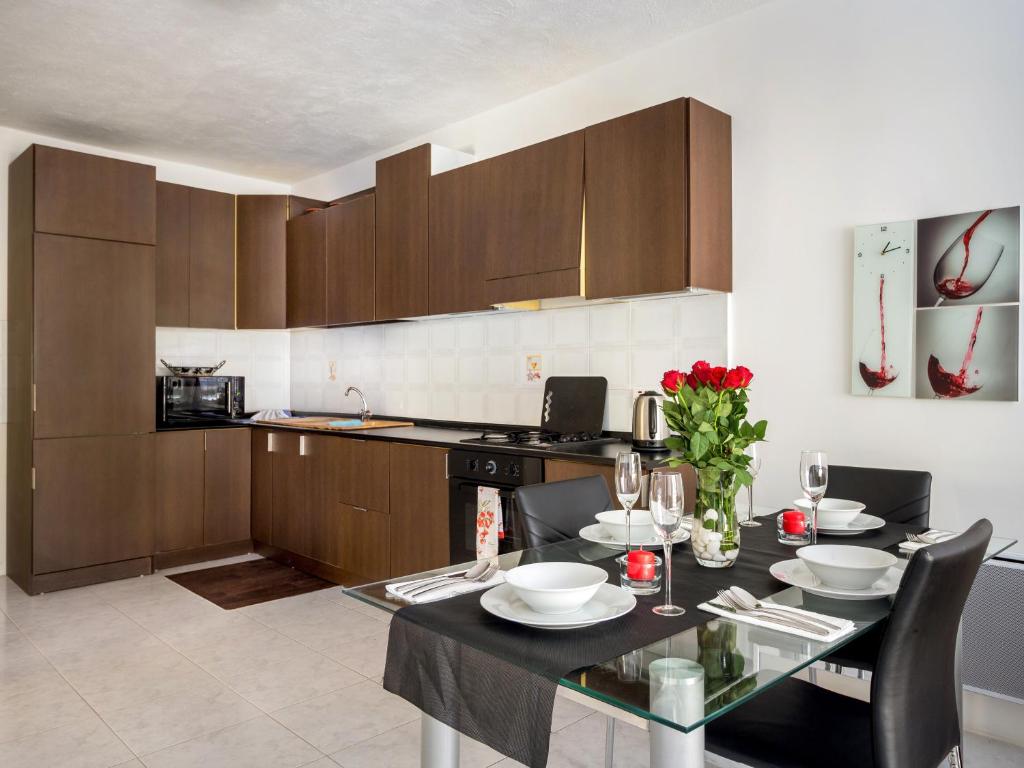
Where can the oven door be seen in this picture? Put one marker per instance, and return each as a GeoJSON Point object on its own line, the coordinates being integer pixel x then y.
{"type": "Point", "coordinates": [462, 520]}
{"type": "Point", "coordinates": [196, 398]}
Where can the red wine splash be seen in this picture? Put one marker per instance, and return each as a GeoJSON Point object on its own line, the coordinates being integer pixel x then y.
{"type": "Point", "coordinates": [946, 384]}
{"type": "Point", "coordinates": [884, 376]}
{"type": "Point", "coordinates": [957, 287]}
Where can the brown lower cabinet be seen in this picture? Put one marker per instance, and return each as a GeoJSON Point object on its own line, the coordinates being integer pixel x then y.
{"type": "Point", "coordinates": [261, 488]}
{"type": "Point", "coordinates": [202, 488]}
{"type": "Point", "coordinates": [419, 508]}
{"type": "Point", "coordinates": [364, 538]}
{"type": "Point", "coordinates": [292, 525]}
{"type": "Point", "coordinates": [93, 501]}
{"type": "Point", "coordinates": [557, 469]}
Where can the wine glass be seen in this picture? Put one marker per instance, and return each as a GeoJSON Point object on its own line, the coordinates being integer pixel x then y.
{"type": "Point", "coordinates": [754, 467]}
{"type": "Point", "coordinates": [814, 481]}
{"type": "Point", "coordinates": [967, 263]}
{"type": "Point", "coordinates": [667, 515]}
{"type": "Point", "coordinates": [628, 477]}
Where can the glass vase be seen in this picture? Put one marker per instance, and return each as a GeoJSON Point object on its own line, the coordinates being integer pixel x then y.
{"type": "Point", "coordinates": [715, 537]}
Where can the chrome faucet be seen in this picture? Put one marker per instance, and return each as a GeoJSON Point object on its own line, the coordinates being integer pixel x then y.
{"type": "Point", "coordinates": [364, 413]}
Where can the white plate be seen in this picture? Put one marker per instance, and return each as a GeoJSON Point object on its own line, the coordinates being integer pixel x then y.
{"type": "Point", "coordinates": [609, 603]}
{"type": "Point", "coordinates": [796, 574]}
{"type": "Point", "coordinates": [598, 535]}
{"type": "Point", "coordinates": [860, 524]}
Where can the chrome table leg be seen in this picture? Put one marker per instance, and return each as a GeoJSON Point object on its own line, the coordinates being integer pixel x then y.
{"type": "Point", "coordinates": [674, 749]}
{"type": "Point", "coordinates": [439, 744]}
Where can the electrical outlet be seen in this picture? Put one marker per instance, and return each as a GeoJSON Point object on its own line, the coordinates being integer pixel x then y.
{"type": "Point", "coordinates": [332, 370]}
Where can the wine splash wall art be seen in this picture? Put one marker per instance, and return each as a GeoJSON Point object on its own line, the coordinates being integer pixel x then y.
{"type": "Point", "coordinates": [962, 273]}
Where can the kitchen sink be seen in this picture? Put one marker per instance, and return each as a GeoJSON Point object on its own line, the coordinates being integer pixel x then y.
{"type": "Point", "coordinates": [334, 423]}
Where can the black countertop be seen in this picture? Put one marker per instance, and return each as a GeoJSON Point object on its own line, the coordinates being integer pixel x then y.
{"type": "Point", "coordinates": [451, 435]}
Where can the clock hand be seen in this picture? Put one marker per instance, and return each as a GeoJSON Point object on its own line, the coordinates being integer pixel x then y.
{"type": "Point", "coordinates": [888, 249]}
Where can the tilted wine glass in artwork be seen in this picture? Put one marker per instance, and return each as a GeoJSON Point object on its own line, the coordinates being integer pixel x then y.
{"type": "Point", "coordinates": [947, 384]}
{"type": "Point", "coordinates": [967, 264]}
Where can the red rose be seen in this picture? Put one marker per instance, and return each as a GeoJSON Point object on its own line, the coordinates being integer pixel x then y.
{"type": "Point", "coordinates": [745, 375]}
{"type": "Point", "coordinates": [672, 381]}
{"type": "Point", "coordinates": [702, 372]}
{"type": "Point", "coordinates": [733, 379]}
{"type": "Point", "coordinates": [692, 381]}
{"type": "Point", "coordinates": [718, 376]}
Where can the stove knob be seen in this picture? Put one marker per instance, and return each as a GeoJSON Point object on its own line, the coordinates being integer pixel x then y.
{"type": "Point", "coordinates": [491, 467]}
{"type": "Point", "coordinates": [473, 465]}
{"type": "Point", "coordinates": [513, 470]}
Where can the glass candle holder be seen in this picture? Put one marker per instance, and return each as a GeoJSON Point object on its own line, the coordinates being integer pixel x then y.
{"type": "Point", "coordinates": [794, 528]}
{"type": "Point", "coordinates": [640, 572]}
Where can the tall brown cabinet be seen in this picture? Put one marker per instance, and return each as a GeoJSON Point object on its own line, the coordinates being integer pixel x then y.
{"type": "Point", "coordinates": [81, 304]}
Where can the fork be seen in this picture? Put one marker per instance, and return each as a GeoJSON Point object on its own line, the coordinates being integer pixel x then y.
{"type": "Point", "coordinates": [487, 573]}
{"type": "Point", "coordinates": [923, 538]}
{"type": "Point", "coordinates": [747, 601]}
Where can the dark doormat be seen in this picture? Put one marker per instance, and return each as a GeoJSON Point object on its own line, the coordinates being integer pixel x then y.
{"type": "Point", "coordinates": [248, 583]}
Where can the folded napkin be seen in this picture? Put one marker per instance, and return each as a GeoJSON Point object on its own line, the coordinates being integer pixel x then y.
{"type": "Point", "coordinates": [450, 589]}
{"type": "Point", "coordinates": [913, 546]}
{"type": "Point", "coordinates": [713, 606]}
{"type": "Point", "coordinates": [270, 414]}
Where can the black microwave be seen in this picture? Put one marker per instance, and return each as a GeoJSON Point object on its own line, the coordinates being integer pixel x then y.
{"type": "Point", "coordinates": [199, 400]}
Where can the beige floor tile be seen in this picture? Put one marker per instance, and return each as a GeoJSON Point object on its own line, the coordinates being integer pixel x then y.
{"type": "Point", "coordinates": [209, 564]}
{"type": "Point", "coordinates": [274, 613]}
{"type": "Point", "coordinates": [567, 712]}
{"type": "Point", "coordinates": [159, 723]}
{"type": "Point", "coordinates": [329, 624]}
{"type": "Point", "coordinates": [257, 743]}
{"type": "Point", "coordinates": [400, 748]}
{"type": "Point", "coordinates": [87, 743]}
{"type": "Point", "coordinates": [185, 631]}
{"type": "Point", "coordinates": [273, 671]}
{"type": "Point", "coordinates": [121, 686]}
{"type": "Point", "coordinates": [108, 628]}
{"type": "Point", "coordinates": [337, 595]}
{"type": "Point", "coordinates": [346, 717]}
{"type": "Point", "coordinates": [130, 764]}
{"type": "Point", "coordinates": [365, 655]}
{"type": "Point", "coordinates": [324, 762]}
{"type": "Point", "coordinates": [137, 589]}
{"type": "Point", "coordinates": [581, 745]}
{"type": "Point", "coordinates": [41, 708]}
{"type": "Point", "coordinates": [84, 659]}
{"type": "Point", "coordinates": [58, 610]}
{"type": "Point", "coordinates": [26, 672]}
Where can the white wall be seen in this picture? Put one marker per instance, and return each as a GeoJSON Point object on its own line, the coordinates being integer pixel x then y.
{"type": "Point", "coordinates": [474, 368]}
{"type": "Point", "coordinates": [272, 381]}
{"type": "Point", "coordinates": [843, 113]}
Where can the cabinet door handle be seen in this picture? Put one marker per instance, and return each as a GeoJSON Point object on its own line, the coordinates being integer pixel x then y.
{"type": "Point", "coordinates": [446, 475]}
{"type": "Point", "coordinates": [360, 509]}
{"type": "Point", "coordinates": [270, 442]}
{"type": "Point", "coordinates": [302, 445]}
{"type": "Point", "coordinates": [204, 441]}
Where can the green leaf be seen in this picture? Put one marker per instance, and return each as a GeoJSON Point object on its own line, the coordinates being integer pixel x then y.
{"type": "Point", "coordinates": [760, 429]}
{"type": "Point", "coordinates": [743, 476]}
{"type": "Point", "coordinates": [676, 444]}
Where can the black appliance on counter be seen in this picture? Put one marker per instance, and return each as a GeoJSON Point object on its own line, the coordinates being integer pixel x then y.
{"type": "Point", "coordinates": [572, 413]}
{"type": "Point", "coordinates": [198, 400]}
{"type": "Point", "coordinates": [467, 471]}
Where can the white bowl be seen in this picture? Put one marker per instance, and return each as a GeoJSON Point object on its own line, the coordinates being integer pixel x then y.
{"type": "Point", "coordinates": [846, 567]}
{"type": "Point", "coordinates": [832, 513]}
{"type": "Point", "coordinates": [614, 523]}
{"type": "Point", "coordinates": [556, 587]}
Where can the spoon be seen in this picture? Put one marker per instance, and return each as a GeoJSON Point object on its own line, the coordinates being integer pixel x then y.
{"type": "Point", "coordinates": [746, 600]}
{"type": "Point", "coordinates": [469, 572]}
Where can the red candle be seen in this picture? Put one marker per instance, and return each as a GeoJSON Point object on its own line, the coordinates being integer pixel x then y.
{"type": "Point", "coordinates": [640, 565]}
{"type": "Point", "coordinates": [793, 522]}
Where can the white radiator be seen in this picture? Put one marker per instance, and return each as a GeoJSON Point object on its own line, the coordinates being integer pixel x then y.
{"type": "Point", "coordinates": [993, 631]}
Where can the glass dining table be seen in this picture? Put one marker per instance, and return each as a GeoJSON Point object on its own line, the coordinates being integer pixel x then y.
{"type": "Point", "coordinates": [679, 684]}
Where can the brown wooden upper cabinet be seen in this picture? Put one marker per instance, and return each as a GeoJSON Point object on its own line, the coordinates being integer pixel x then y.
{"type": "Point", "coordinates": [261, 258]}
{"type": "Point", "coordinates": [533, 221]}
{"type": "Point", "coordinates": [84, 195]}
{"type": "Point", "coordinates": [195, 255]}
{"type": "Point", "coordinates": [401, 259]}
{"type": "Point", "coordinates": [331, 264]}
{"type": "Point", "coordinates": [659, 201]}
{"type": "Point", "coordinates": [457, 240]}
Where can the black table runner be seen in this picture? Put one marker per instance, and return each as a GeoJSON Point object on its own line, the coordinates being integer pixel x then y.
{"type": "Point", "coordinates": [495, 681]}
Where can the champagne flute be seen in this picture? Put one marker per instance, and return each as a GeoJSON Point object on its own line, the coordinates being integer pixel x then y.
{"type": "Point", "coordinates": [814, 481]}
{"type": "Point", "coordinates": [628, 477]}
{"type": "Point", "coordinates": [667, 515]}
{"type": "Point", "coordinates": [754, 467]}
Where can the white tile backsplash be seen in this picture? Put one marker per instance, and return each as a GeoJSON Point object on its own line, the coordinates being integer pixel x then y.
{"type": "Point", "coordinates": [473, 368]}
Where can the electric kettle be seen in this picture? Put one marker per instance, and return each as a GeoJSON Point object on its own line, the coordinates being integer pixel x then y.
{"type": "Point", "coordinates": [649, 427]}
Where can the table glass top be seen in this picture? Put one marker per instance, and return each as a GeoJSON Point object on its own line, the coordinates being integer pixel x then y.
{"type": "Point", "coordinates": [735, 660]}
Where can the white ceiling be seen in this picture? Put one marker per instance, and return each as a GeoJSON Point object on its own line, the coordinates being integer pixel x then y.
{"type": "Point", "coordinates": [285, 89]}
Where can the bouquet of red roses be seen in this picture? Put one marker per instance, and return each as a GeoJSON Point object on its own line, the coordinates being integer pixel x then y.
{"type": "Point", "coordinates": [707, 411]}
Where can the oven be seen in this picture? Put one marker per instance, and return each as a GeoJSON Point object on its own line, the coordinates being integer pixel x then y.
{"type": "Point", "coordinates": [469, 470]}
{"type": "Point", "coordinates": [199, 400]}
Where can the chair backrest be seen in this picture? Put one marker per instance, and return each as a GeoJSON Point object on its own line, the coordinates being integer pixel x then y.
{"type": "Point", "coordinates": [897, 495]}
{"type": "Point", "coordinates": [913, 696]}
{"type": "Point", "coordinates": [550, 512]}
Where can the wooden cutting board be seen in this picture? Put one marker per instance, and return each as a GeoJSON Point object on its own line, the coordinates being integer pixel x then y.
{"type": "Point", "coordinates": [324, 423]}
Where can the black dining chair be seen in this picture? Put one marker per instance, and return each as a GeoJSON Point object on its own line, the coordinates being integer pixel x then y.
{"type": "Point", "coordinates": [552, 512]}
{"type": "Point", "coordinates": [911, 721]}
{"type": "Point", "coordinates": [895, 495]}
